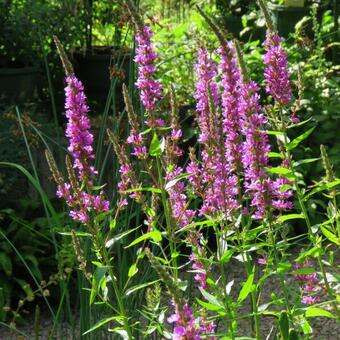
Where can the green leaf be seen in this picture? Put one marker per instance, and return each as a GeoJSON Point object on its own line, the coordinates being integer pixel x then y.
{"type": "Point", "coordinates": [77, 233]}
{"type": "Point", "coordinates": [113, 224]}
{"type": "Point", "coordinates": [314, 252]}
{"type": "Point", "coordinates": [97, 279]}
{"type": "Point", "coordinates": [247, 287]}
{"type": "Point", "coordinates": [227, 256]}
{"type": "Point", "coordinates": [274, 155]}
{"type": "Point", "coordinates": [138, 287]}
{"type": "Point", "coordinates": [305, 161]}
{"type": "Point", "coordinates": [156, 190]}
{"type": "Point", "coordinates": [303, 271]}
{"type": "Point", "coordinates": [26, 287]}
{"type": "Point", "coordinates": [208, 223]}
{"type": "Point", "coordinates": [212, 299]}
{"type": "Point", "coordinates": [306, 327]}
{"type": "Point", "coordinates": [322, 188]}
{"type": "Point", "coordinates": [155, 235]}
{"type": "Point", "coordinates": [312, 312]}
{"type": "Point", "coordinates": [133, 270]}
{"type": "Point", "coordinates": [283, 267]}
{"type": "Point", "coordinates": [209, 306]}
{"type": "Point", "coordinates": [290, 217]}
{"type": "Point", "coordinates": [155, 146]}
{"type": "Point", "coordinates": [284, 325]}
{"type": "Point", "coordinates": [330, 235]}
{"type": "Point", "coordinates": [275, 133]}
{"type": "Point", "coordinates": [6, 263]}
{"type": "Point", "coordinates": [125, 233]}
{"type": "Point", "coordinates": [279, 170]}
{"type": "Point", "coordinates": [171, 183]}
{"type": "Point", "coordinates": [101, 323]}
{"type": "Point", "coordinates": [300, 123]}
{"type": "Point", "coordinates": [295, 142]}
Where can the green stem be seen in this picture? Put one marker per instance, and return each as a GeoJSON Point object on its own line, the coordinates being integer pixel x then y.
{"type": "Point", "coordinates": [247, 260]}
{"type": "Point", "coordinates": [169, 226]}
{"type": "Point", "coordinates": [224, 284]}
{"type": "Point", "coordinates": [116, 290]}
{"type": "Point", "coordinates": [276, 261]}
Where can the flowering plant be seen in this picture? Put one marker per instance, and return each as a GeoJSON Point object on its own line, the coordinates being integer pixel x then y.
{"type": "Point", "coordinates": [230, 202]}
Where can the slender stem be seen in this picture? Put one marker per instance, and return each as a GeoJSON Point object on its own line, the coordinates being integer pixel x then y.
{"type": "Point", "coordinates": [114, 283]}
{"type": "Point", "coordinates": [247, 260]}
{"type": "Point", "coordinates": [276, 261]}
{"type": "Point", "coordinates": [169, 226]}
{"type": "Point", "coordinates": [224, 284]}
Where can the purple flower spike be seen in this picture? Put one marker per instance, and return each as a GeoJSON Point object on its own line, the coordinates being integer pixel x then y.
{"type": "Point", "coordinates": [78, 128]}
{"type": "Point", "coordinates": [205, 72]}
{"type": "Point", "coordinates": [255, 150]}
{"type": "Point", "coordinates": [276, 72]}
{"type": "Point", "coordinates": [220, 187]}
{"type": "Point", "coordinates": [150, 89]}
{"type": "Point", "coordinates": [178, 199]}
{"type": "Point", "coordinates": [232, 119]}
{"type": "Point", "coordinates": [80, 138]}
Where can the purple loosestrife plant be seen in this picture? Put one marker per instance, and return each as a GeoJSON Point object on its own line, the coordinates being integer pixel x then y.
{"type": "Point", "coordinates": [206, 73]}
{"type": "Point", "coordinates": [150, 89]}
{"type": "Point", "coordinates": [276, 72]}
{"type": "Point", "coordinates": [78, 128]}
{"type": "Point", "coordinates": [178, 199]}
{"type": "Point", "coordinates": [220, 188]}
{"type": "Point", "coordinates": [232, 118]}
{"type": "Point", "coordinates": [80, 139]}
{"type": "Point", "coordinates": [255, 150]}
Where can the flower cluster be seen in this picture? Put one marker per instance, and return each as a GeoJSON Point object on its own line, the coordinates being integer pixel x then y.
{"type": "Point", "coordinates": [232, 119]}
{"type": "Point", "coordinates": [276, 71]}
{"type": "Point", "coordinates": [150, 89]}
{"type": "Point", "coordinates": [78, 128]}
{"type": "Point", "coordinates": [309, 283]}
{"type": "Point", "coordinates": [139, 149]}
{"type": "Point", "coordinates": [178, 199]}
{"type": "Point", "coordinates": [186, 327]}
{"type": "Point", "coordinates": [127, 175]}
{"type": "Point", "coordinates": [82, 201]}
{"type": "Point", "coordinates": [234, 141]}
{"type": "Point", "coordinates": [199, 269]}
{"type": "Point", "coordinates": [220, 188]}
{"type": "Point", "coordinates": [255, 150]}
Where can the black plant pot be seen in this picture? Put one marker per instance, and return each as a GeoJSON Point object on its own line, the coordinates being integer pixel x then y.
{"type": "Point", "coordinates": [96, 69]}
{"type": "Point", "coordinates": [19, 85]}
{"type": "Point", "coordinates": [233, 25]}
{"type": "Point", "coordinates": [285, 17]}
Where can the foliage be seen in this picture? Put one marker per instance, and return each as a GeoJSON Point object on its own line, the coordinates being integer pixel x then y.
{"type": "Point", "coordinates": [27, 28]}
{"type": "Point", "coordinates": [17, 256]}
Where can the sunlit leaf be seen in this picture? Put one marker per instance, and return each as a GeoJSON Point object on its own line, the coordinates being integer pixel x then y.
{"type": "Point", "coordinates": [330, 235]}
{"type": "Point", "coordinates": [101, 323]}
{"type": "Point", "coordinates": [290, 217]}
{"type": "Point", "coordinates": [295, 142]}
{"type": "Point", "coordinates": [155, 235]}
{"type": "Point", "coordinates": [317, 312]}
{"type": "Point", "coordinates": [246, 288]}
